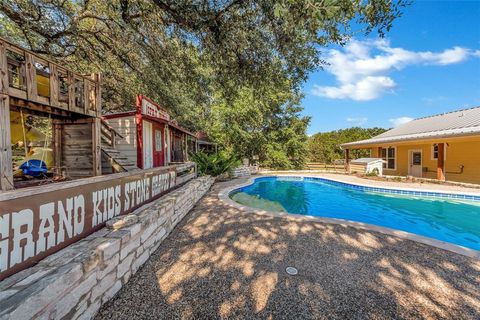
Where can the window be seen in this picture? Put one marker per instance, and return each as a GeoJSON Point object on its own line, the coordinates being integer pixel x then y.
{"type": "Point", "coordinates": [158, 140]}
{"type": "Point", "coordinates": [388, 155]}
{"type": "Point", "coordinates": [42, 72]}
{"type": "Point", "coordinates": [435, 152]}
{"type": "Point", "coordinates": [16, 70]}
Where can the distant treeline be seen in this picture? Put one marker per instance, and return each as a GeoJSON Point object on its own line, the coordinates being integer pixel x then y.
{"type": "Point", "coordinates": [325, 146]}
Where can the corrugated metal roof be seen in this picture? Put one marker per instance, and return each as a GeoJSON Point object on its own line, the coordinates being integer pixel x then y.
{"type": "Point", "coordinates": [457, 123]}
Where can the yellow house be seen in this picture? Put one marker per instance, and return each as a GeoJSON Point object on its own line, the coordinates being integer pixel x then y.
{"type": "Point", "coordinates": [443, 147]}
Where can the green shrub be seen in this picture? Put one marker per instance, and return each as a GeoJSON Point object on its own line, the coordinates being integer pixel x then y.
{"type": "Point", "coordinates": [214, 164]}
{"type": "Point", "coordinates": [373, 173]}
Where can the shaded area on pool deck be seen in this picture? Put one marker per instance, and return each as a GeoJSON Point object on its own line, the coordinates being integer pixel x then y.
{"type": "Point", "coordinates": [224, 263]}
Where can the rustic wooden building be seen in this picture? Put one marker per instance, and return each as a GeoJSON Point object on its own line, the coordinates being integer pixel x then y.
{"type": "Point", "coordinates": [149, 137]}
{"type": "Point", "coordinates": [46, 107]}
{"type": "Point", "coordinates": [33, 86]}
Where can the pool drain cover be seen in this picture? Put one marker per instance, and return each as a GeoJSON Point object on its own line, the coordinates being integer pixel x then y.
{"type": "Point", "coordinates": [292, 271]}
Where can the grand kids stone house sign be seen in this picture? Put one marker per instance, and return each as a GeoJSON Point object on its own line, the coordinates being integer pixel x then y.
{"type": "Point", "coordinates": [37, 222]}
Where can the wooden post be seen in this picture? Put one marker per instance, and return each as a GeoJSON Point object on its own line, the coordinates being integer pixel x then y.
{"type": "Point", "coordinates": [441, 162]}
{"type": "Point", "coordinates": [96, 147]}
{"type": "Point", "coordinates": [113, 137]}
{"type": "Point", "coordinates": [98, 98]}
{"type": "Point", "coordinates": [86, 96]}
{"type": "Point", "coordinates": [379, 152]}
{"type": "Point", "coordinates": [347, 160]}
{"type": "Point", "coordinates": [185, 159]}
{"type": "Point", "coordinates": [4, 85]}
{"type": "Point", "coordinates": [54, 90]}
{"type": "Point", "coordinates": [57, 145]}
{"type": "Point", "coordinates": [6, 172]}
{"type": "Point", "coordinates": [31, 77]}
{"type": "Point", "coordinates": [71, 91]}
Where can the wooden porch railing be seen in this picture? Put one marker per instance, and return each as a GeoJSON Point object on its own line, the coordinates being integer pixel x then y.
{"type": "Point", "coordinates": [29, 77]}
{"type": "Point", "coordinates": [109, 134]}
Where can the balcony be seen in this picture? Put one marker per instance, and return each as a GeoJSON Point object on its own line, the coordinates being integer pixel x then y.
{"type": "Point", "coordinates": [34, 82]}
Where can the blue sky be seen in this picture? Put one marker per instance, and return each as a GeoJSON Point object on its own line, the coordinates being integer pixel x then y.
{"type": "Point", "coordinates": [427, 64]}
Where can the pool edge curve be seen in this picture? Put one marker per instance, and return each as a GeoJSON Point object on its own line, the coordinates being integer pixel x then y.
{"type": "Point", "coordinates": [224, 195]}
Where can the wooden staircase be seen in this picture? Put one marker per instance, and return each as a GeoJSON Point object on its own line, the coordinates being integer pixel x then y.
{"type": "Point", "coordinates": [112, 159]}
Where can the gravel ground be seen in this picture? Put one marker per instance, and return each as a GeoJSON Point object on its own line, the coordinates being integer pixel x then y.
{"type": "Point", "coordinates": [222, 263]}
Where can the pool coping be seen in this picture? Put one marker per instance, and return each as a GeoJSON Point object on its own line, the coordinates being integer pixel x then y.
{"type": "Point", "coordinates": [223, 195]}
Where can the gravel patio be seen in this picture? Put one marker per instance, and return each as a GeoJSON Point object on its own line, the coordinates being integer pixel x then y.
{"type": "Point", "coordinates": [224, 263]}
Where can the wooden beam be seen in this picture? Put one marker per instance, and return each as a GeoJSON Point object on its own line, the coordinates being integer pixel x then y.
{"type": "Point", "coordinates": [57, 144]}
{"type": "Point", "coordinates": [6, 172]}
{"type": "Point", "coordinates": [441, 162]}
{"type": "Point", "coordinates": [96, 147]}
{"type": "Point", "coordinates": [98, 99]}
{"type": "Point", "coordinates": [86, 96]}
{"type": "Point", "coordinates": [71, 91]}
{"type": "Point", "coordinates": [347, 160]}
{"type": "Point", "coordinates": [54, 91]}
{"type": "Point", "coordinates": [3, 69]}
{"type": "Point", "coordinates": [38, 109]}
{"type": "Point", "coordinates": [185, 152]}
{"type": "Point", "coordinates": [31, 77]}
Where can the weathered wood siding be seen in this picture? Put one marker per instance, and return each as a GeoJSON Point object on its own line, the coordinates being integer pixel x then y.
{"type": "Point", "coordinates": [6, 174]}
{"type": "Point", "coordinates": [127, 145]}
{"type": "Point", "coordinates": [77, 150]}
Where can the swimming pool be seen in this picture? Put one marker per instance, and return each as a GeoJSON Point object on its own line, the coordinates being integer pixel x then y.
{"type": "Point", "coordinates": [451, 218]}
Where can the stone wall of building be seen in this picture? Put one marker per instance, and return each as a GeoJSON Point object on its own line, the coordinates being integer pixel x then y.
{"type": "Point", "coordinates": [74, 282]}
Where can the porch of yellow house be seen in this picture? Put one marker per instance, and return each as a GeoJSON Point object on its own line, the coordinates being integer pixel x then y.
{"type": "Point", "coordinates": [440, 171]}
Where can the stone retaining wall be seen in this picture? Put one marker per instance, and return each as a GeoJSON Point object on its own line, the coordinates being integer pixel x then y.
{"type": "Point", "coordinates": [74, 282]}
{"type": "Point", "coordinates": [244, 171]}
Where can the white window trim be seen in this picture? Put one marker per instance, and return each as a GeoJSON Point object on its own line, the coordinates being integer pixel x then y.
{"type": "Point", "coordinates": [444, 152]}
{"type": "Point", "coordinates": [395, 159]}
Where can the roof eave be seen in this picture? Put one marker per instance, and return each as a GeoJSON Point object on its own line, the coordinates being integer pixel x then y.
{"type": "Point", "coordinates": [369, 142]}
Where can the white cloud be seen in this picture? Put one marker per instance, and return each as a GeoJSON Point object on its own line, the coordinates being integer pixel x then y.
{"type": "Point", "coordinates": [357, 121]}
{"type": "Point", "coordinates": [368, 88]}
{"type": "Point", "coordinates": [399, 121]}
{"type": "Point", "coordinates": [362, 67]}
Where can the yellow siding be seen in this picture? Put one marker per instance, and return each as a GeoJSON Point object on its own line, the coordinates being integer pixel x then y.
{"type": "Point", "coordinates": [464, 151]}
{"type": "Point", "coordinates": [467, 154]}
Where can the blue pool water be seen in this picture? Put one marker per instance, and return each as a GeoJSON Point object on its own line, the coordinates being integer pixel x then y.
{"type": "Point", "coordinates": [451, 221]}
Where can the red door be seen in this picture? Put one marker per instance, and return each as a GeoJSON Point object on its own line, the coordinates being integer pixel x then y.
{"type": "Point", "coordinates": [158, 145]}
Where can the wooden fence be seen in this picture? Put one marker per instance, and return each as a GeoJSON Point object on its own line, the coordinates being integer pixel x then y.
{"type": "Point", "coordinates": [318, 166]}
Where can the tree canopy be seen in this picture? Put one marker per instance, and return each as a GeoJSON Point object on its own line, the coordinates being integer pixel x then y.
{"type": "Point", "coordinates": [220, 64]}
{"type": "Point", "coordinates": [324, 147]}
